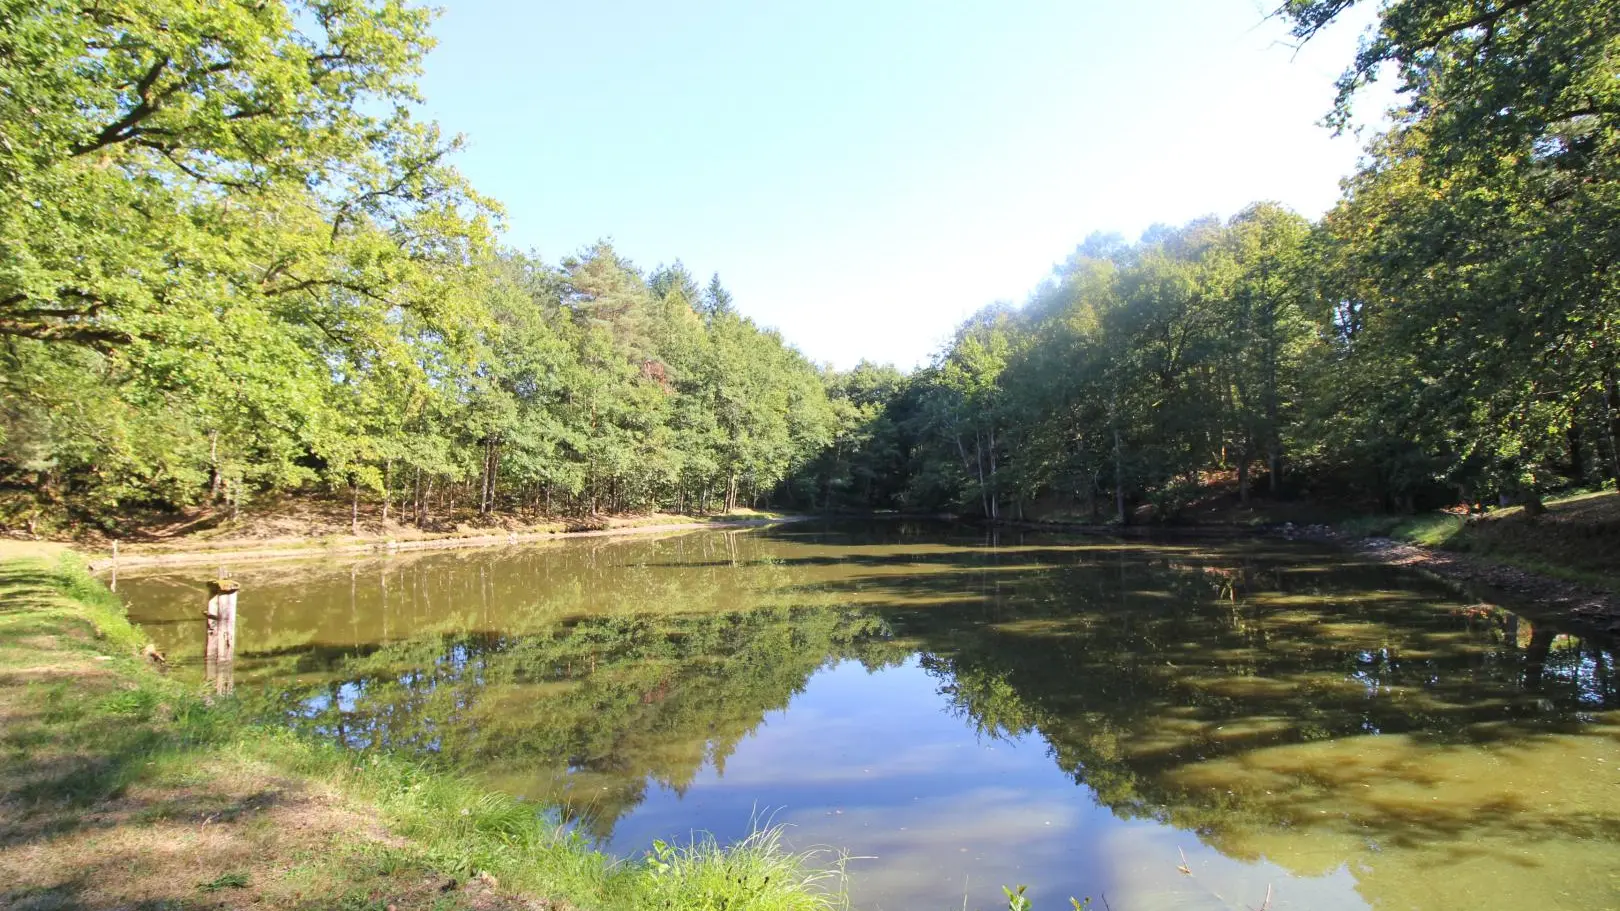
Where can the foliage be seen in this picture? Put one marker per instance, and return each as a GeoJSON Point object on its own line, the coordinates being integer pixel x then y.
{"type": "Point", "coordinates": [1448, 333]}
{"type": "Point", "coordinates": [1471, 255]}
{"type": "Point", "coordinates": [1136, 370]}
{"type": "Point", "coordinates": [233, 262]}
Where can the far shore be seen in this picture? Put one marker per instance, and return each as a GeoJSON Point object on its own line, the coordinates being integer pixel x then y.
{"type": "Point", "coordinates": [1440, 545]}
{"type": "Point", "coordinates": [246, 550]}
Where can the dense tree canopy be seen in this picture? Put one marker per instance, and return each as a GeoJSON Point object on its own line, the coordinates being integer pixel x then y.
{"type": "Point", "coordinates": [1449, 331]}
{"type": "Point", "coordinates": [233, 262]}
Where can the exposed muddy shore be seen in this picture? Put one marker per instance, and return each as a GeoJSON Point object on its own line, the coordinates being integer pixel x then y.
{"type": "Point", "coordinates": [1586, 605]}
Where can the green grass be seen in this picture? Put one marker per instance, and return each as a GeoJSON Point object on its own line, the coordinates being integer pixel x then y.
{"type": "Point", "coordinates": [757, 872]}
{"type": "Point", "coordinates": [1577, 539]}
{"type": "Point", "coordinates": [462, 830]}
{"type": "Point", "coordinates": [88, 724]}
{"type": "Point", "coordinates": [231, 880]}
{"type": "Point", "coordinates": [1434, 529]}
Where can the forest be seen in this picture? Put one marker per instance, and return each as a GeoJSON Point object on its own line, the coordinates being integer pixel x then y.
{"type": "Point", "coordinates": [1448, 333]}
{"type": "Point", "coordinates": [236, 265]}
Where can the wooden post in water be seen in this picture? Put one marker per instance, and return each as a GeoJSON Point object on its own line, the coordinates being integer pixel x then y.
{"type": "Point", "coordinates": [221, 645]}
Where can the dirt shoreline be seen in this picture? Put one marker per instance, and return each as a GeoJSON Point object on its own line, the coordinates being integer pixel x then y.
{"type": "Point", "coordinates": [1213, 530]}
{"type": "Point", "coordinates": [247, 552]}
{"type": "Point", "coordinates": [1583, 604]}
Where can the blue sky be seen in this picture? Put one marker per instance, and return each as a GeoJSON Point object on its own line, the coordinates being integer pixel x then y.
{"type": "Point", "coordinates": [864, 175]}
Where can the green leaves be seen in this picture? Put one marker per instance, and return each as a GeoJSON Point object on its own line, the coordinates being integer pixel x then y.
{"type": "Point", "coordinates": [201, 194]}
{"type": "Point", "coordinates": [1468, 251]}
{"type": "Point", "coordinates": [233, 261]}
{"type": "Point", "coordinates": [1451, 329]}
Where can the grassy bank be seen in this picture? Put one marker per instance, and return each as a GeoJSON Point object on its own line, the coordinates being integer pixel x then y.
{"type": "Point", "coordinates": [1577, 539]}
{"type": "Point", "coordinates": [123, 787]}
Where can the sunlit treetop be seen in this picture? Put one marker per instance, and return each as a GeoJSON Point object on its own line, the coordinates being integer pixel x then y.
{"type": "Point", "coordinates": [1493, 71]}
{"type": "Point", "coordinates": [156, 155]}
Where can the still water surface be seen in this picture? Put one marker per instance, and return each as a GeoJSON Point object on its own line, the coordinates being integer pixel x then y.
{"type": "Point", "coordinates": [1080, 715]}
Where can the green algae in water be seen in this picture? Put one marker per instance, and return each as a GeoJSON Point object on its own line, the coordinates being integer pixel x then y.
{"type": "Point", "coordinates": [1075, 714]}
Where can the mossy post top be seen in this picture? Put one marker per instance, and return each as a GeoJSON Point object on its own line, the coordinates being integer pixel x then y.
{"type": "Point", "coordinates": [223, 587]}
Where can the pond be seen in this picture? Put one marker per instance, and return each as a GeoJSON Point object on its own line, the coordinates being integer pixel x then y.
{"type": "Point", "coordinates": [1185, 725]}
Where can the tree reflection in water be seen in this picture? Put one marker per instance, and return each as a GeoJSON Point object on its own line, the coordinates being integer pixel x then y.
{"type": "Point", "coordinates": [1280, 702]}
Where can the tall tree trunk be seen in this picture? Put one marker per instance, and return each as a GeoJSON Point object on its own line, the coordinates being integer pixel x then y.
{"type": "Point", "coordinates": [483, 483]}
{"type": "Point", "coordinates": [495, 476]}
{"type": "Point", "coordinates": [826, 492]}
{"type": "Point", "coordinates": [215, 478]}
{"type": "Point", "coordinates": [978, 461]}
{"type": "Point", "coordinates": [388, 488]}
{"type": "Point", "coordinates": [354, 507]}
{"type": "Point", "coordinates": [416, 498]}
{"type": "Point", "coordinates": [995, 488]}
{"type": "Point", "coordinates": [492, 464]}
{"type": "Point", "coordinates": [1611, 398]}
{"type": "Point", "coordinates": [1577, 452]}
{"type": "Point", "coordinates": [1119, 476]}
{"type": "Point", "coordinates": [961, 450]}
{"type": "Point", "coordinates": [1273, 432]}
{"type": "Point", "coordinates": [1243, 475]}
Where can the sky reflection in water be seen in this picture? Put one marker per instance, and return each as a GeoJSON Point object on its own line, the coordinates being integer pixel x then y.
{"type": "Point", "coordinates": [1074, 714]}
